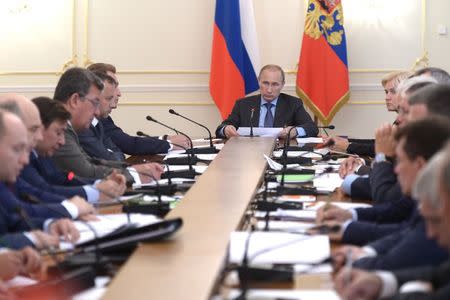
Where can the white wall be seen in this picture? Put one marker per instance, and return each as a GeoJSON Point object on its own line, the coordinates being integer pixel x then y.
{"type": "Point", "coordinates": [162, 51]}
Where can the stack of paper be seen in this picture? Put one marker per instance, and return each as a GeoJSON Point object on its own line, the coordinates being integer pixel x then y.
{"type": "Point", "coordinates": [260, 131]}
{"type": "Point", "coordinates": [278, 248]}
{"type": "Point", "coordinates": [286, 294]}
{"type": "Point", "coordinates": [343, 205]}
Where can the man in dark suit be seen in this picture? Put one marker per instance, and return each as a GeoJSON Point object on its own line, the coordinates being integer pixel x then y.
{"type": "Point", "coordinates": [14, 151]}
{"type": "Point", "coordinates": [128, 144]}
{"type": "Point", "coordinates": [415, 283]}
{"type": "Point", "coordinates": [395, 250]}
{"type": "Point", "coordinates": [79, 91]}
{"type": "Point", "coordinates": [42, 173]}
{"type": "Point", "coordinates": [269, 109]}
{"type": "Point", "coordinates": [93, 140]}
{"type": "Point", "coordinates": [76, 206]}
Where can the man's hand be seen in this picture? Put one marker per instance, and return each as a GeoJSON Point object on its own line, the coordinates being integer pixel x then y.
{"type": "Point", "coordinates": [31, 261]}
{"type": "Point", "coordinates": [44, 240]}
{"type": "Point", "coordinates": [230, 131]}
{"type": "Point", "coordinates": [339, 256]}
{"type": "Point", "coordinates": [4, 294]}
{"type": "Point", "coordinates": [349, 165]}
{"type": "Point", "coordinates": [66, 229]}
{"type": "Point", "coordinates": [336, 143]}
{"type": "Point", "coordinates": [119, 178]}
{"type": "Point", "coordinates": [356, 284]}
{"type": "Point", "coordinates": [109, 189]}
{"type": "Point", "coordinates": [82, 205]}
{"type": "Point", "coordinates": [179, 139]}
{"type": "Point", "coordinates": [11, 263]}
{"type": "Point", "coordinates": [332, 213]}
{"type": "Point", "coordinates": [293, 134]}
{"type": "Point", "coordinates": [384, 140]}
{"type": "Point", "coordinates": [149, 171]}
{"type": "Point", "coordinates": [332, 229]}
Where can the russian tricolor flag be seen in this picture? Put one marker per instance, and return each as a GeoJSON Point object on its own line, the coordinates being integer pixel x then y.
{"type": "Point", "coordinates": [235, 55]}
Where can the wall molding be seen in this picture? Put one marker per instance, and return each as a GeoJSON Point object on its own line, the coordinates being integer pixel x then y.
{"type": "Point", "coordinates": [167, 88]}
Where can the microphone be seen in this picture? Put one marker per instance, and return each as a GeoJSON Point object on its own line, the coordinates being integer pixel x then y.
{"type": "Point", "coordinates": [159, 209]}
{"type": "Point", "coordinates": [140, 133]}
{"type": "Point", "coordinates": [171, 128]}
{"type": "Point", "coordinates": [303, 190]}
{"type": "Point", "coordinates": [208, 150]}
{"type": "Point", "coordinates": [284, 156]}
{"type": "Point", "coordinates": [279, 273]}
{"type": "Point", "coordinates": [326, 127]}
{"type": "Point", "coordinates": [252, 110]}
{"type": "Point", "coordinates": [190, 161]}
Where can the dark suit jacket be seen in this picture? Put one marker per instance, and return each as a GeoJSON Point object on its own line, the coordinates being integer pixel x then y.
{"type": "Point", "coordinates": [133, 145]}
{"type": "Point", "coordinates": [409, 247]}
{"type": "Point", "coordinates": [384, 184]}
{"type": "Point", "coordinates": [41, 172]}
{"type": "Point", "coordinates": [439, 277]}
{"type": "Point", "coordinates": [11, 200]}
{"type": "Point", "coordinates": [97, 144]}
{"type": "Point", "coordinates": [72, 158]}
{"type": "Point", "coordinates": [12, 224]}
{"type": "Point", "coordinates": [361, 147]}
{"type": "Point", "coordinates": [379, 221]}
{"type": "Point", "coordinates": [361, 189]}
{"type": "Point", "coordinates": [289, 112]}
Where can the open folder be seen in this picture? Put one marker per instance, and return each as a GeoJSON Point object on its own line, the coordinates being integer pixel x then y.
{"type": "Point", "coordinates": [118, 234]}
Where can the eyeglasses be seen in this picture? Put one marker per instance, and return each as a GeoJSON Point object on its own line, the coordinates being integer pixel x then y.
{"type": "Point", "coordinates": [95, 103]}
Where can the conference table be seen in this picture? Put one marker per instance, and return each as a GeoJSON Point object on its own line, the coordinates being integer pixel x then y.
{"type": "Point", "coordinates": [190, 264]}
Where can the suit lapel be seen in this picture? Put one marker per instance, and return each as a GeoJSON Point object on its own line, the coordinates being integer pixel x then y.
{"type": "Point", "coordinates": [281, 111]}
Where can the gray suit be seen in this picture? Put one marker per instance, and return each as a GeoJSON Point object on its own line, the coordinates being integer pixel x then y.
{"type": "Point", "coordinates": [72, 158]}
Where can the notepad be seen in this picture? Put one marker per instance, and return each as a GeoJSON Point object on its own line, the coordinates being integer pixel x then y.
{"type": "Point", "coordinates": [296, 178]}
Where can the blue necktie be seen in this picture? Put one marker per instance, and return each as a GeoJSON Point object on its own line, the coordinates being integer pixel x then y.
{"type": "Point", "coordinates": [268, 120]}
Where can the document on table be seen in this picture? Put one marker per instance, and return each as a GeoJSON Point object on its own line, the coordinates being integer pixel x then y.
{"type": "Point", "coordinates": [278, 248]}
{"type": "Point", "coordinates": [163, 181]}
{"type": "Point", "coordinates": [260, 131]}
{"type": "Point", "coordinates": [307, 154]}
{"type": "Point", "coordinates": [107, 224]}
{"type": "Point", "coordinates": [199, 169]}
{"type": "Point", "coordinates": [286, 226]}
{"type": "Point", "coordinates": [286, 214]}
{"type": "Point", "coordinates": [343, 205]}
{"type": "Point", "coordinates": [328, 182]}
{"type": "Point", "coordinates": [278, 167]}
{"type": "Point", "coordinates": [199, 156]}
{"type": "Point", "coordinates": [266, 294]}
{"type": "Point", "coordinates": [307, 140]}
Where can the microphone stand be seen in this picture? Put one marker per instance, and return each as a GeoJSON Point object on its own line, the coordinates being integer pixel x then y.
{"type": "Point", "coordinates": [251, 121]}
{"type": "Point", "coordinates": [208, 150]}
{"type": "Point", "coordinates": [252, 112]}
{"type": "Point", "coordinates": [159, 209]}
{"type": "Point", "coordinates": [171, 128]}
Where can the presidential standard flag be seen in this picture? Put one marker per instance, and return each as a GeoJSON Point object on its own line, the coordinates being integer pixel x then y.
{"type": "Point", "coordinates": [235, 55]}
{"type": "Point", "coordinates": [322, 77]}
